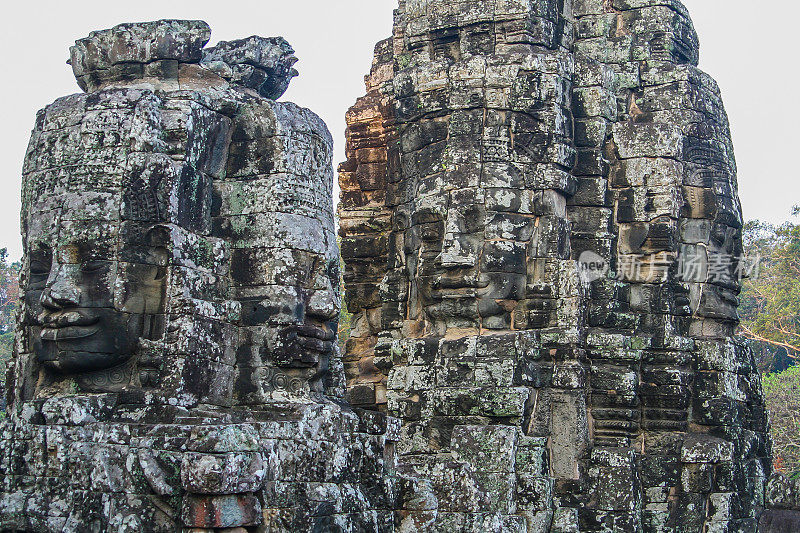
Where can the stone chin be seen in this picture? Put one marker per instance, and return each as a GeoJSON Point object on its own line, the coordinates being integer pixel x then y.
{"type": "Point", "coordinates": [105, 339]}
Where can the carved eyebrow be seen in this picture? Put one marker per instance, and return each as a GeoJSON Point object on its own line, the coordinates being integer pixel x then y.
{"type": "Point", "coordinates": [86, 251]}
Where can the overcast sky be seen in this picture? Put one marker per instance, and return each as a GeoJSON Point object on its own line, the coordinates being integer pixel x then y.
{"type": "Point", "coordinates": [752, 52]}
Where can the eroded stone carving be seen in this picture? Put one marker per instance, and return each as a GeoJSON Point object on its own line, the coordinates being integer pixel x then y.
{"type": "Point", "coordinates": [542, 237]}
{"type": "Point", "coordinates": [176, 364]}
{"type": "Point", "coordinates": [264, 65]}
{"type": "Point", "coordinates": [538, 215]}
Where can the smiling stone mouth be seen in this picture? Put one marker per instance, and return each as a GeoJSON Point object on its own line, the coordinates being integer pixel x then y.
{"type": "Point", "coordinates": [315, 339]}
{"type": "Point", "coordinates": [67, 333]}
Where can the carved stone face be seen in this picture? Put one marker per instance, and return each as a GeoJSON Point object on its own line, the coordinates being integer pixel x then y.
{"type": "Point", "coordinates": [87, 309]}
{"type": "Point", "coordinates": [307, 340]}
{"type": "Point", "coordinates": [466, 263]}
{"type": "Point", "coordinates": [444, 273]}
{"type": "Point", "coordinates": [286, 273]}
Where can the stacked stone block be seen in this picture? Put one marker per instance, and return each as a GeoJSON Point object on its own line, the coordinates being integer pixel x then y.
{"type": "Point", "coordinates": [293, 467]}
{"type": "Point", "coordinates": [538, 140]}
{"type": "Point", "coordinates": [542, 240]}
{"type": "Point", "coordinates": [365, 190]}
{"type": "Point", "coordinates": [480, 306]}
{"type": "Point", "coordinates": [176, 365]}
{"type": "Point", "coordinates": [678, 222]}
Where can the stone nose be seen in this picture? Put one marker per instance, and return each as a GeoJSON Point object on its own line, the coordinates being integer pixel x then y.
{"type": "Point", "coordinates": [62, 291]}
{"type": "Point", "coordinates": [458, 251]}
{"type": "Point", "coordinates": [323, 304]}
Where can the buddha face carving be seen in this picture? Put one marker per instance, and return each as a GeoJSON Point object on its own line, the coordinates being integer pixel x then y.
{"type": "Point", "coordinates": [466, 264]}
{"type": "Point", "coordinates": [89, 309]}
{"type": "Point", "coordinates": [445, 279]}
{"type": "Point", "coordinates": [285, 268]}
{"type": "Point", "coordinates": [307, 341]}
{"type": "Point", "coordinates": [485, 217]}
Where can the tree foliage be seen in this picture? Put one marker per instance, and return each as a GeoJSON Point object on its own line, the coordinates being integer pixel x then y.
{"type": "Point", "coordinates": [770, 299]}
{"type": "Point", "coordinates": [9, 299]}
{"type": "Point", "coordinates": [782, 391]}
{"type": "Point", "coordinates": [770, 311]}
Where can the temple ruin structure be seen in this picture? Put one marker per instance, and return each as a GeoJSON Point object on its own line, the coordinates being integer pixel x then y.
{"type": "Point", "coordinates": [542, 239]}
{"type": "Point", "coordinates": [542, 243]}
{"type": "Point", "coordinates": [176, 366]}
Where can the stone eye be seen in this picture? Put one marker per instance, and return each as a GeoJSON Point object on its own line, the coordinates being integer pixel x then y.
{"type": "Point", "coordinates": [39, 268]}
{"type": "Point", "coordinates": [39, 272]}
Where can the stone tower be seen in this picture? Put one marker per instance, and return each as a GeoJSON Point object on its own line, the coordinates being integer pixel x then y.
{"type": "Point", "coordinates": [176, 365]}
{"type": "Point", "coordinates": [542, 239]}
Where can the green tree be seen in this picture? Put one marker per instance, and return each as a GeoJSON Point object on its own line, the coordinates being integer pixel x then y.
{"type": "Point", "coordinates": [770, 299]}
{"type": "Point", "coordinates": [782, 392]}
{"type": "Point", "coordinates": [9, 300]}
{"type": "Point", "coordinates": [770, 311]}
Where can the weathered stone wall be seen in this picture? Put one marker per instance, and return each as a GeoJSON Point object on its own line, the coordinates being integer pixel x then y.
{"type": "Point", "coordinates": [477, 251]}
{"type": "Point", "coordinates": [365, 181]}
{"type": "Point", "coordinates": [176, 362]}
{"type": "Point", "coordinates": [530, 141]}
{"type": "Point", "coordinates": [692, 396]}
